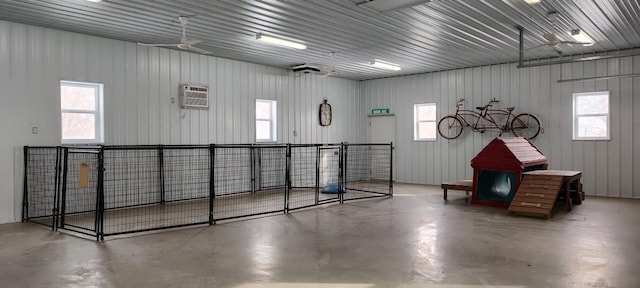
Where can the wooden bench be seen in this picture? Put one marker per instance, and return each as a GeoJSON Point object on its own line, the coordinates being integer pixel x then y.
{"type": "Point", "coordinates": [462, 185]}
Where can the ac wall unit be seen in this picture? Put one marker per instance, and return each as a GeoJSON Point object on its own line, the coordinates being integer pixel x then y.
{"type": "Point", "coordinates": [194, 96]}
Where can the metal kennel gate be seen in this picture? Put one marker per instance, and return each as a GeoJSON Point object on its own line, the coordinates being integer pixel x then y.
{"type": "Point", "coordinates": [111, 190]}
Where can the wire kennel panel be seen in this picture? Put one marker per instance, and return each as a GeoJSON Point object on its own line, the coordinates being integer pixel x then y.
{"type": "Point", "coordinates": [232, 169]}
{"type": "Point", "coordinates": [131, 176]}
{"type": "Point", "coordinates": [133, 189]}
{"type": "Point", "coordinates": [42, 181]}
{"type": "Point", "coordinates": [78, 200]}
{"type": "Point", "coordinates": [270, 167]}
{"type": "Point", "coordinates": [234, 177]}
{"type": "Point", "coordinates": [303, 191]}
{"type": "Point", "coordinates": [312, 167]}
{"type": "Point", "coordinates": [329, 173]}
{"type": "Point", "coordinates": [368, 171]}
{"type": "Point", "coordinates": [186, 173]}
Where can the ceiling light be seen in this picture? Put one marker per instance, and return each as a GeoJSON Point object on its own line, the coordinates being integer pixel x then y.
{"type": "Point", "coordinates": [582, 37]}
{"type": "Point", "coordinates": [94, 1]}
{"type": "Point", "coordinates": [382, 6]}
{"type": "Point", "coordinates": [277, 40]}
{"type": "Point", "coordinates": [532, 2]}
{"type": "Point", "coordinates": [385, 65]}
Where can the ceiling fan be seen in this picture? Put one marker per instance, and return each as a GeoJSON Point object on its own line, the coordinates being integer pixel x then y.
{"type": "Point", "coordinates": [332, 68]}
{"type": "Point", "coordinates": [551, 39]}
{"type": "Point", "coordinates": [185, 44]}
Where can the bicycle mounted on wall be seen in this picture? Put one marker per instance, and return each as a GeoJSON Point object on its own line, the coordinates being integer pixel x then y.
{"type": "Point", "coordinates": [523, 125]}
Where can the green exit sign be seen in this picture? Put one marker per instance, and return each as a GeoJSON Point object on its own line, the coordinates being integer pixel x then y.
{"type": "Point", "coordinates": [380, 111]}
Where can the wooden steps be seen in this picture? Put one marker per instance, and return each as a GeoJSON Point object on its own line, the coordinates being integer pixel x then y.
{"type": "Point", "coordinates": [536, 195]}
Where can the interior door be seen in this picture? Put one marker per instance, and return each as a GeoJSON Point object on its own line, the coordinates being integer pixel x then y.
{"type": "Point", "coordinates": [382, 129]}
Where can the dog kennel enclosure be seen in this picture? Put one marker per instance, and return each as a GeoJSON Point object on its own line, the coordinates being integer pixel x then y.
{"type": "Point", "coordinates": [102, 191]}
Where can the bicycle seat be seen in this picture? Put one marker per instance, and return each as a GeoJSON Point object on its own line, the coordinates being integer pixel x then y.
{"type": "Point", "coordinates": [511, 108]}
{"type": "Point", "coordinates": [481, 107]}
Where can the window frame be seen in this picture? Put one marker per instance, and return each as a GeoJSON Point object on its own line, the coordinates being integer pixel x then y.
{"type": "Point", "coordinates": [273, 119]}
{"type": "Point", "coordinates": [576, 116]}
{"type": "Point", "coordinates": [98, 112]}
{"type": "Point", "coordinates": [416, 122]}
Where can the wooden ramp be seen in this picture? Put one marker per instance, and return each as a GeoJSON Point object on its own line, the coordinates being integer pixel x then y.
{"type": "Point", "coordinates": [536, 195]}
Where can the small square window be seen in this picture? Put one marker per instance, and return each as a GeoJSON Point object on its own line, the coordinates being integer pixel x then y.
{"type": "Point", "coordinates": [81, 112]}
{"type": "Point", "coordinates": [424, 122]}
{"type": "Point", "coordinates": [591, 116]}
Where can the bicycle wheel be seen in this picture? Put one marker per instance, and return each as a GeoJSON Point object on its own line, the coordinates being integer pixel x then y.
{"type": "Point", "coordinates": [450, 127]}
{"type": "Point", "coordinates": [526, 125]}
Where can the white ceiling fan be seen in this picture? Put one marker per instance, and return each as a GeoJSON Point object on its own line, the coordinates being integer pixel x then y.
{"type": "Point", "coordinates": [552, 40]}
{"type": "Point", "coordinates": [332, 68]}
{"type": "Point", "coordinates": [185, 44]}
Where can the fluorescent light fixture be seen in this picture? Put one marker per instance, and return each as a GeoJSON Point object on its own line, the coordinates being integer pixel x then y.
{"type": "Point", "coordinates": [532, 2]}
{"type": "Point", "coordinates": [580, 36]}
{"type": "Point", "coordinates": [94, 1]}
{"type": "Point", "coordinates": [280, 41]}
{"type": "Point", "coordinates": [385, 65]}
{"type": "Point", "coordinates": [382, 6]}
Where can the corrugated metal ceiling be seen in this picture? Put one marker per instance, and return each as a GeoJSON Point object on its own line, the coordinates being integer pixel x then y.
{"type": "Point", "coordinates": [437, 35]}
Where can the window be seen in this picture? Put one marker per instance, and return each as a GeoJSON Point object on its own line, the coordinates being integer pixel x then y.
{"type": "Point", "coordinates": [81, 108]}
{"type": "Point", "coordinates": [265, 120]}
{"type": "Point", "coordinates": [424, 118]}
{"type": "Point", "coordinates": [591, 116]}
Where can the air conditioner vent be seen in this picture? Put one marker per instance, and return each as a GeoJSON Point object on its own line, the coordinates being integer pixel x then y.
{"type": "Point", "coordinates": [194, 96]}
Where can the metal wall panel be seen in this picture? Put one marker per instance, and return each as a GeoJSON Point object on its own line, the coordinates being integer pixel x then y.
{"type": "Point", "coordinates": [610, 168]}
{"type": "Point", "coordinates": [6, 148]}
{"type": "Point", "coordinates": [140, 83]}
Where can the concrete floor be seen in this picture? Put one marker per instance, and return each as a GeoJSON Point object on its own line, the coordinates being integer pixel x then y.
{"type": "Point", "coordinates": [411, 240]}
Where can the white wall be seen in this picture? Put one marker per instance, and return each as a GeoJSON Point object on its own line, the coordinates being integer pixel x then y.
{"type": "Point", "coordinates": [610, 168]}
{"type": "Point", "coordinates": [139, 84]}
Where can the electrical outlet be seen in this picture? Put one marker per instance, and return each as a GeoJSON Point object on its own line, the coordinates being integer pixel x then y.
{"type": "Point", "coordinates": [295, 133]}
{"type": "Point", "coordinates": [34, 130]}
{"type": "Point", "coordinates": [541, 130]}
{"type": "Point", "coordinates": [173, 100]}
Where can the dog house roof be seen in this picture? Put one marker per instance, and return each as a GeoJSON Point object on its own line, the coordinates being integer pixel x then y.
{"type": "Point", "coordinates": [509, 151]}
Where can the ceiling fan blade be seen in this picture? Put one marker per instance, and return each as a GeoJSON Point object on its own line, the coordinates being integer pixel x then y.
{"type": "Point", "coordinates": [157, 45]}
{"type": "Point", "coordinates": [198, 50]}
{"type": "Point", "coordinates": [535, 47]}
{"type": "Point", "coordinates": [193, 41]}
{"type": "Point", "coordinates": [557, 49]}
{"type": "Point", "coordinates": [574, 42]}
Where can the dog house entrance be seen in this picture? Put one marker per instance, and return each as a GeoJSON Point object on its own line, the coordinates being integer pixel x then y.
{"type": "Point", "coordinates": [496, 186]}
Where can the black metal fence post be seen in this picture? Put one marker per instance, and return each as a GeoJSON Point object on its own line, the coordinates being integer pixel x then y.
{"type": "Point", "coordinates": [252, 165]}
{"type": "Point", "coordinates": [287, 180]}
{"type": "Point", "coordinates": [25, 189]}
{"type": "Point", "coordinates": [161, 171]}
{"type": "Point", "coordinates": [341, 171]}
{"type": "Point", "coordinates": [212, 153]}
{"type": "Point", "coordinates": [317, 186]}
{"type": "Point", "coordinates": [56, 192]}
{"type": "Point", "coordinates": [63, 191]}
{"type": "Point", "coordinates": [391, 170]}
{"type": "Point", "coordinates": [100, 197]}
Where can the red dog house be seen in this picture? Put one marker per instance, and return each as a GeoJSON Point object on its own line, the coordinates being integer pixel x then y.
{"type": "Point", "coordinates": [498, 168]}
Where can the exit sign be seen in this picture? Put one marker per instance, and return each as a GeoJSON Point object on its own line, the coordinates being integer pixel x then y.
{"type": "Point", "coordinates": [380, 111]}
